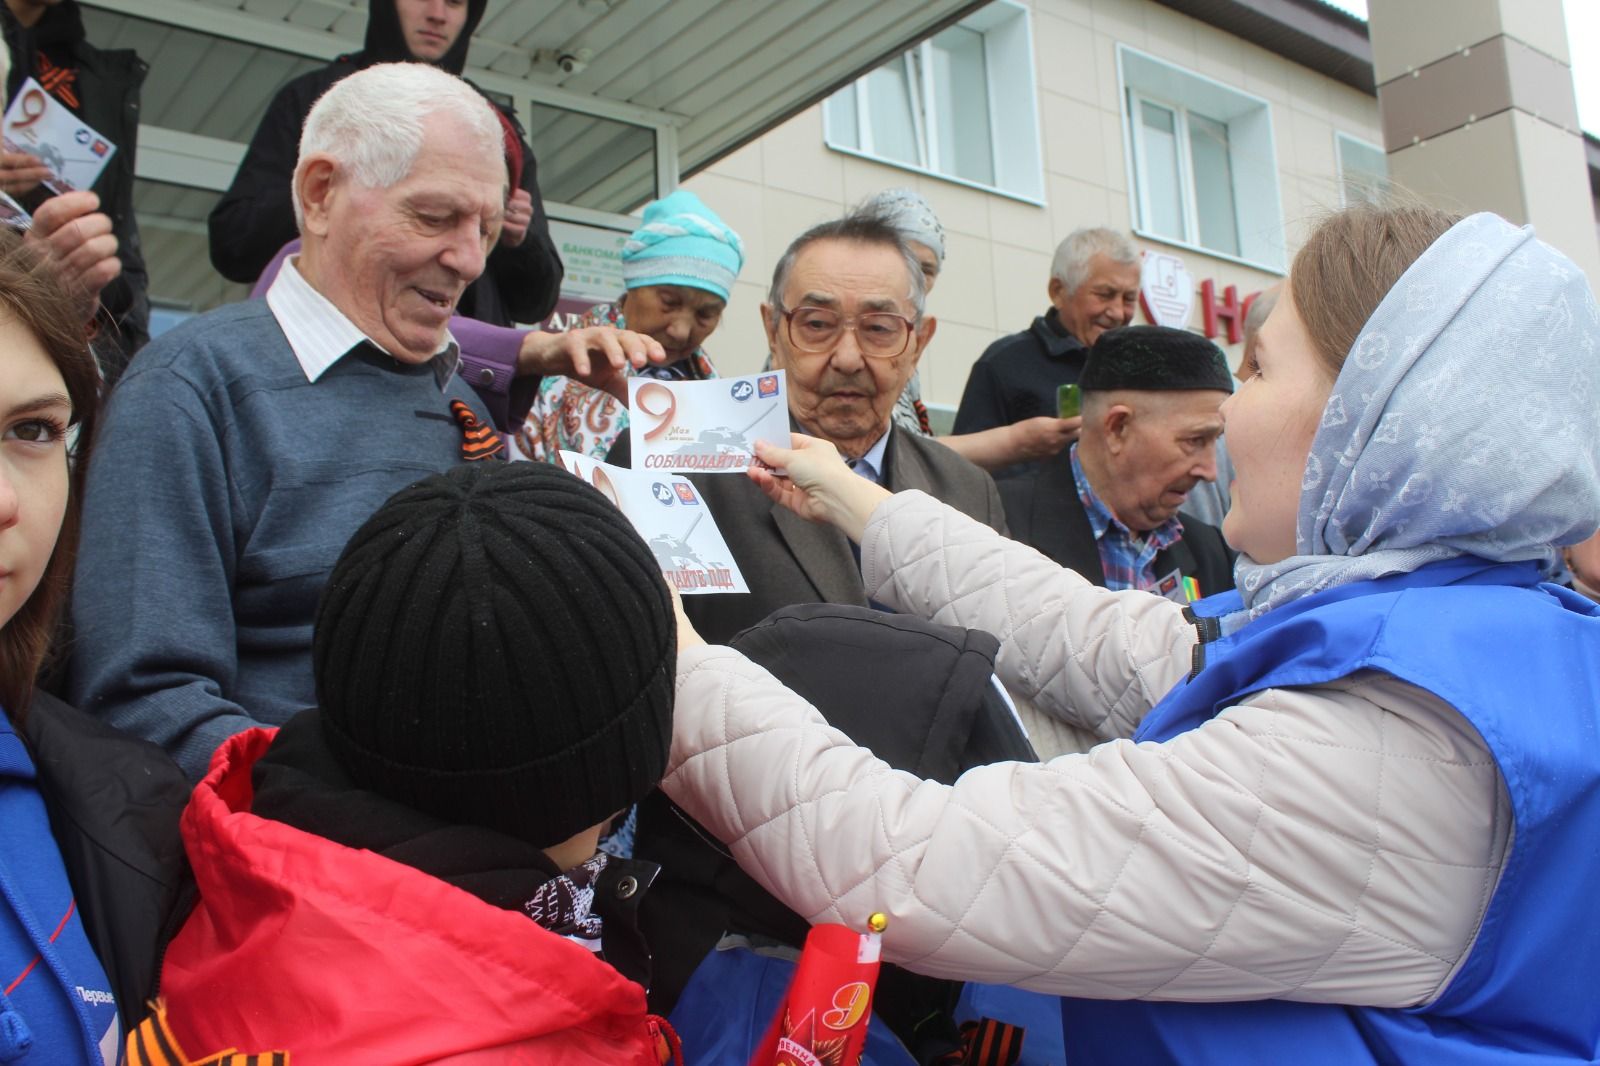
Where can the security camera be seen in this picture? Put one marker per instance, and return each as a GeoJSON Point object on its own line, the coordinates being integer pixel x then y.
{"type": "Point", "coordinates": [573, 62]}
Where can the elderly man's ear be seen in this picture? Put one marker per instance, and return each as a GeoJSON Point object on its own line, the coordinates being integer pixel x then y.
{"type": "Point", "coordinates": [1114, 422]}
{"type": "Point", "coordinates": [771, 323]}
{"type": "Point", "coordinates": [316, 180]}
{"type": "Point", "coordinates": [925, 332]}
{"type": "Point", "coordinates": [1056, 290]}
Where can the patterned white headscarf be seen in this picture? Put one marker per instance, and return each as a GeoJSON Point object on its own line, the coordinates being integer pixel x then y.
{"type": "Point", "coordinates": [909, 213]}
{"type": "Point", "coordinates": [1465, 421]}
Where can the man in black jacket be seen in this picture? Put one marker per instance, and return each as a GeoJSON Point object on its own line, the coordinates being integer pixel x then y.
{"type": "Point", "coordinates": [46, 42]}
{"type": "Point", "coordinates": [1108, 506]}
{"type": "Point", "coordinates": [254, 218]}
{"type": "Point", "coordinates": [1094, 286]}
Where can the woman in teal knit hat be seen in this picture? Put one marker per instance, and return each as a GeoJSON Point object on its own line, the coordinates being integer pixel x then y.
{"type": "Point", "coordinates": [678, 268]}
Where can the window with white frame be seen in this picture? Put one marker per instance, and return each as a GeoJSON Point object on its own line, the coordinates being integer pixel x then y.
{"type": "Point", "coordinates": [1201, 162]}
{"type": "Point", "coordinates": [1363, 170]}
{"type": "Point", "coordinates": [960, 105]}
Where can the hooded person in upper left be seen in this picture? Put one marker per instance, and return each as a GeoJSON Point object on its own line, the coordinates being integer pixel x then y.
{"type": "Point", "coordinates": [254, 218]}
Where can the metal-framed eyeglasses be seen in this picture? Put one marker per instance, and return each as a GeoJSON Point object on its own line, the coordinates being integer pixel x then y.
{"type": "Point", "coordinates": [879, 334]}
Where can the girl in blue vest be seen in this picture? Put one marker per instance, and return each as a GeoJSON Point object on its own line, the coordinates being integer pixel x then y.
{"type": "Point", "coordinates": [1348, 814]}
{"type": "Point", "coordinates": [90, 859]}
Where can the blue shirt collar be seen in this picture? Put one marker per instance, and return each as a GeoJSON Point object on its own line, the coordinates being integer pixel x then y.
{"type": "Point", "coordinates": [1101, 520]}
{"type": "Point", "coordinates": [870, 466]}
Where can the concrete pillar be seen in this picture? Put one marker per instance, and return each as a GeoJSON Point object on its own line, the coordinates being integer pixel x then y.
{"type": "Point", "coordinates": [1479, 113]}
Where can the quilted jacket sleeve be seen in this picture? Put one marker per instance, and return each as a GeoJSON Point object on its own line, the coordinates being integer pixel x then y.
{"type": "Point", "coordinates": [1336, 844]}
{"type": "Point", "coordinates": [1093, 658]}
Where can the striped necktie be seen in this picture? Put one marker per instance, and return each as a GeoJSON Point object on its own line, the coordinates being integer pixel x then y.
{"type": "Point", "coordinates": [478, 440]}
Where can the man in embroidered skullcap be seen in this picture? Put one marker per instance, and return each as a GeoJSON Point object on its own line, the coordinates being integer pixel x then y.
{"type": "Point", "coordinates": [244, 447]}
{"type": "Point", "coordinates": [1108, 507]}
{"type": "Point", "coordinates": [678, 270]}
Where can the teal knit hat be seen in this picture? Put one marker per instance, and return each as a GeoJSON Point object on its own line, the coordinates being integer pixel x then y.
{"type": "Point", "coordinates": [682, 243]}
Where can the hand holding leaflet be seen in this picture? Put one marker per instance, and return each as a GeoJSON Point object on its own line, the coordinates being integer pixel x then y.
{"type": "Point", "coordinates": [705, 426]}
{"type": "Point", "coordinates": [39, 125]}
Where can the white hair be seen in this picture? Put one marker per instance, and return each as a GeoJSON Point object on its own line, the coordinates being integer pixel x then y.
{"type": "Point", "coordinates": [1071, 264]}
{"type": "Point", "coordinates": [371, 122]}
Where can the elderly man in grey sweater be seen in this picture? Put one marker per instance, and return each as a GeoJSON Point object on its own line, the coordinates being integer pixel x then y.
{"type": "Point", "coordinates": [241, 450]}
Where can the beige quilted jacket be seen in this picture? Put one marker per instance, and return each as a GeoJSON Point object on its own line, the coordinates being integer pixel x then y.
{"type": "Point", "coordinates": [1334, 844]}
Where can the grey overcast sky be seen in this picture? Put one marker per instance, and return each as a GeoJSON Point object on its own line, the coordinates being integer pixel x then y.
{"type": "Point", "coordinates": [1583, 38]}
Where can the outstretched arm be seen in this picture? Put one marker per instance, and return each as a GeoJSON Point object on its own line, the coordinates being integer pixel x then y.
{"type": "Point", "coordinates": [1247, 859]}
{"type": "Point", "coordinates": [1020, 442]}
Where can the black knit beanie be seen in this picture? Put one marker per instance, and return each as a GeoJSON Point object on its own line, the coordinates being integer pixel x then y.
{"type": "Point", "coordinates": [496, 646]}
{"type": "Point", "coordinates": [1154, 359]}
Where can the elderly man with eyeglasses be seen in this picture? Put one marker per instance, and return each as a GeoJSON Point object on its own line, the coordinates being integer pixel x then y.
{"type": "Point", "coordinates": [845, 318]}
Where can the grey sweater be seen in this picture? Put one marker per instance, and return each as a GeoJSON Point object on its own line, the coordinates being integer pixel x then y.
{"type": "Point", "coordinates": [221, 491]}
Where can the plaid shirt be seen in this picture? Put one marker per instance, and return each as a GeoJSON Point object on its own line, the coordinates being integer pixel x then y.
{"type": "Point", "coordinates": [1127, 558]}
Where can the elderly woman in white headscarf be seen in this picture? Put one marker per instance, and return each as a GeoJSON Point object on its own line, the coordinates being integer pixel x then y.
{"type": "Point", "coordinates": [913, 216]}
{"type": "Point", "coordinates": [1345, 815]}
{"type": "Point", "coordinates": [995, 448]}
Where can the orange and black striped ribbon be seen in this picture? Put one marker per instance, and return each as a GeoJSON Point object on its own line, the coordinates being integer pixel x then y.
{"type": "Point", "coordinates": [478, 440]}
{"type": "Point", "coordinates": [62, 81]}
{"type": "Point", "coordinates": [985, 1042]}
{"type": "Point", "coordinates": [152, 1044]}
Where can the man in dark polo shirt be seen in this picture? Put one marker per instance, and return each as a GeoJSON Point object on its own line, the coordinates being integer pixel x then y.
{"type": "Point", "coordinates": [1094, 286]}
{"type": "Point", "coordinates": [1107, 507]}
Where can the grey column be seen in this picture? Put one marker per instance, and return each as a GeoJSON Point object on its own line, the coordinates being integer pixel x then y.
{"type": "Point", "coordinates": [1479, 114]}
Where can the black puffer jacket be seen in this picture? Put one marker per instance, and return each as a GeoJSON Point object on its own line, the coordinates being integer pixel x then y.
{"type": "Point", "coordinates": [920, 695]}
{"type": "Point", "coordinates": [255, 217]}
{"type": "Point", "coordinates": [114, 803]}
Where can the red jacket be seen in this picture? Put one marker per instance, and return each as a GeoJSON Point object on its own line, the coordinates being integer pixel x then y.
{"type": "Point", "coordinates": [342, 956]}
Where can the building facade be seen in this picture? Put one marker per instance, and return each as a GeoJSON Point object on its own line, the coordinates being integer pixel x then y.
{"type": "Point", "coordinates": [1215, 131]}
{"type": "Point", "coordinates": [1027, 120]}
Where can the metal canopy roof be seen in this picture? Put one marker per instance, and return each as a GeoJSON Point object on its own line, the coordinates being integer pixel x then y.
{"type": "Point", "coordinates": [701, 77]}
{"type": "Point", "coordinates": [659, 90]}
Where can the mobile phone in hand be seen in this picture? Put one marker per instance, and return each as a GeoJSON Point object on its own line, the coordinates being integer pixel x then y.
{"type": "Point", "coordinates": [1069, 401]}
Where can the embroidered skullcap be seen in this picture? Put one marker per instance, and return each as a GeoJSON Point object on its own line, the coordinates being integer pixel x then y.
{"type": "Point", "coordinates": [909, 213]}
{"type": "Point", "coordinates": [496, 647]}
{"type": "Point", "coordinates": [682, 242]}
{"type": "Point", "coordinates": [1154, 359]}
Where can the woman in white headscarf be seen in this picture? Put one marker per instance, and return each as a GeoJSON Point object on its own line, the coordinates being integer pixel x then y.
{"type": "Point", "coordinates": [999, 446]}
{"type": "Point", "coordinates": [1345, 815]}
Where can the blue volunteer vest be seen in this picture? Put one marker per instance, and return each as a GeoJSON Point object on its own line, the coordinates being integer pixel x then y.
{"type": "Point", "coordinates": [1521, 661]}
{"type": "Point", "coordinates": [56, 1006]}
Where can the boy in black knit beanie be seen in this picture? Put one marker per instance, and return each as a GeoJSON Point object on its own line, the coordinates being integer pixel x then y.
{"type": "Point", "coordinates": [495, 656]}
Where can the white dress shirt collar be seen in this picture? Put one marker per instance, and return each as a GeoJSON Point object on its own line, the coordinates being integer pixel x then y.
{"type": "Point", "coordinates": [320, 334]}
